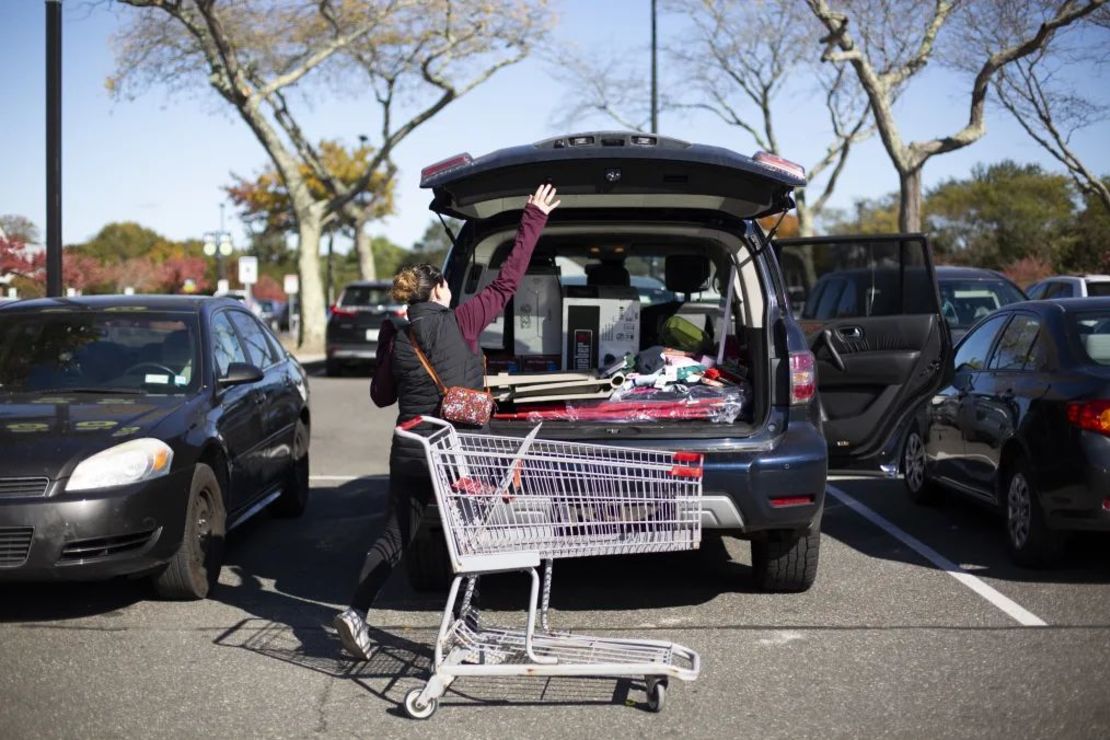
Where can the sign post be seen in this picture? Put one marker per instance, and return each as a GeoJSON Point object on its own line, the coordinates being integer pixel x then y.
{"type": "Point", "coordinates": [291, 284]}
{"type": "Point", "coordinates": [248, 276]}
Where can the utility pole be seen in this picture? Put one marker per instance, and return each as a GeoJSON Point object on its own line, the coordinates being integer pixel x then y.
{"type": "Point", "coordinates": [54, 148]}
{"type": "Point", "coordinates": [654, 76]}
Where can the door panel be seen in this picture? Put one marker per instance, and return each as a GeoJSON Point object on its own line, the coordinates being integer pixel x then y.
{"type": "Point", "coordinates": [239, 423]}
{"type": "Point", "coordinates": [869, 306]}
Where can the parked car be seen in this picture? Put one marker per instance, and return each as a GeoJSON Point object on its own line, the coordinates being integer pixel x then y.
{"type": "Point", "coordinates": [136, 431]}
{"type": "Point", "coordinates": [354, 321]}
{"type": "Point", "coordinates": [1024, 425]}
{"type": "Point", "coordinates": [1071, 286]}
{"type": "Point", "coordinates": [967, 294]}
{"type": "Point", "coordinates": [695, 207]}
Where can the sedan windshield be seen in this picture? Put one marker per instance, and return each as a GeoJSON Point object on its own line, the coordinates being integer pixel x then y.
{"type": "Point", "coordinates": [963, 302]}
{"type": "Point", "coordinates": [89, 352]}
{"type": "Point", "coordinates": [1094, 335]}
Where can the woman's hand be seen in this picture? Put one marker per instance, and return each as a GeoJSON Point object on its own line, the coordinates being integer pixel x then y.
{"type": "Point", "coordinates": [544, 198]}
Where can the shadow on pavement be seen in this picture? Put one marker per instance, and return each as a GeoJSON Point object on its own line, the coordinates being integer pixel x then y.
{"type": "Point", "coordinates": [46, 602]}
{"type": "Point", "coordinates": [967, 534]}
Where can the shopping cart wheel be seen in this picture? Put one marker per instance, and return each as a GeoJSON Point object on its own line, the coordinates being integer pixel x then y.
{"type": "Point", "coordinates": [657, 693]}
{"type": "Point", "coordinates": [419, 712]}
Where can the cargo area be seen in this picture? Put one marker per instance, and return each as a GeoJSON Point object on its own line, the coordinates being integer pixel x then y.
{"type": "Point", "coordinates": [635, 327]}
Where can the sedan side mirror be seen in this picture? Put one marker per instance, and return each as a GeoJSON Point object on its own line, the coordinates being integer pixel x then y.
{"type": "Point", "coordinates": [239, 373]}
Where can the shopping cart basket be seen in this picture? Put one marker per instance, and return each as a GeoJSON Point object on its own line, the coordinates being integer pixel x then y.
{"type": "Point", "coordinates": [510, 504]}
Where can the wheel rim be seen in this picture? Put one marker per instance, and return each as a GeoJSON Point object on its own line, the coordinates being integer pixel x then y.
{"type": "Point", "coordinates": [202, 523]}
{"type": "Point", "coordinates": [1019, 510]}
{"type": "Point", "coordinates": [914, 462]}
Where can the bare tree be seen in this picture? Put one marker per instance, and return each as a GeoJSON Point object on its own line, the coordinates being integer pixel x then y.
{"type": "Point", "coordinates": [417, 56]}
{"type": "Point", "coordinates": [898, 38]}
{"type": "Point", "coordinates": [1050, 113]}
{"type": "Point", "coordinates": [735, 63]}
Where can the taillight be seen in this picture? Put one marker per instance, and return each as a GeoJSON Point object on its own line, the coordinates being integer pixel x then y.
{"type": "Point", "coordinates": [345, 313]}
{"type": "Point", "coordinates": [459, 160]}
{"type": "Point", "coordinates": [803, 377]}
{"type": "Point", "coordinates": [780, 164]}
{"type": "Point", "coordinates": [1094, 416]}
{"type": "Point", "coordinates": [400, 312]}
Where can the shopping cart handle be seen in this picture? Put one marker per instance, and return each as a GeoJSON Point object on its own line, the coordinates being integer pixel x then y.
{"type": "Point", "coordinates": [411, 423]}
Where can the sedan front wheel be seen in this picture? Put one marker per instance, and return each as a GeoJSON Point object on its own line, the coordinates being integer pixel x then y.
{"type": "Point", "coordinates": [195, 566]}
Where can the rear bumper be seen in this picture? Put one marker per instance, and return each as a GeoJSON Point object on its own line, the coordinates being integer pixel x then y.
{"type": "Point", "coordinates": [1073, 495]}
{"type": "Point", "coordinates": [94, 535]}
{"type": "Point", "coordinates": [352, 351]}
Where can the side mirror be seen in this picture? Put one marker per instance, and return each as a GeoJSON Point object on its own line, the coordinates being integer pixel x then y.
{"type": "Point", "coordinates": [239, 373]}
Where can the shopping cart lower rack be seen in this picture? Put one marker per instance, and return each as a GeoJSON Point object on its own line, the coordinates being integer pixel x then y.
{"type": "Point", "coordinates": [512, 504]}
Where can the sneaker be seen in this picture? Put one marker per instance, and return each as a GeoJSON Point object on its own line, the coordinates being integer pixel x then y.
{"type": "Point", "coordinates": [353, 633]}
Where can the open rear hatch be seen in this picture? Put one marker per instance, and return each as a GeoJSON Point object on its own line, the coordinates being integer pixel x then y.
{"type": "Point", "coordinates": [614, 170]}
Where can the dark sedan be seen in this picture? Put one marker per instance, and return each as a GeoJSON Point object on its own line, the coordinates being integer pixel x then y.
{"type": "Point", "coordinates": [136, 431]}
{"type": "Point", "coordinates": [1024, 425]}
{"type": "Point", "coordinates": [967, 294]}
{"type": "Point", "coordinates": [352, 331]}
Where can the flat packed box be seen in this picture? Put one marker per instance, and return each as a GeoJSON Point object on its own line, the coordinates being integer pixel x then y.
{"type": "Point", "coordinates": [537, 314]}
{"type": "Point", "coordinates": [600, 325]}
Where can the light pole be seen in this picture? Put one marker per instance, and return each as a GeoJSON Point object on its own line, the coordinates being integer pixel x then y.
{"type": "Point", "coordinates": [654, 75]}
{"type": "Point", "coordinates": [54, 147]}
{"type": "Point", "coordinates": [218, 244]}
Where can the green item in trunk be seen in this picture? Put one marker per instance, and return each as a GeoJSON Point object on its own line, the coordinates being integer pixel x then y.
{"type": "Point", "coordinates": [683, 335]}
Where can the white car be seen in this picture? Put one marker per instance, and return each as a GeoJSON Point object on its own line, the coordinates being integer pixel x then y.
{"type": "Point", "coordinates": [1070, 286]}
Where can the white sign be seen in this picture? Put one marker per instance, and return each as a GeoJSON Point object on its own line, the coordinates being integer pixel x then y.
{"type": "Point", "coordinates": [248, 270]}
{"type": "Point", "coordinates": [222, 286]}
{"type": "Point", "coordinates": [292, 284]}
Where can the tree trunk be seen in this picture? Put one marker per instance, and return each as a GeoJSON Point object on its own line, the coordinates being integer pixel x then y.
{"type": "Point", "coordinates": [313, 309]}
{"type": "Point", "coordinates": [909, 207]}
{"type": "Point", "coordinates": [366, 267]}
{"type": "Point", "coordinates": [805, 217]}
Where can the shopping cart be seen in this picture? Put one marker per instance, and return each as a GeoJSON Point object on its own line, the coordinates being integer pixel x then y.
{"type": "Point", "coordinates": [510, 504]}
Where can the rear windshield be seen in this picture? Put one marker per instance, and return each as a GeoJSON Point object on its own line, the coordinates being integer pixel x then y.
{"type": "Point", "coordinates": [151, 354]}
{"type": "Point", "coordinates": [1100, 289]}
{"type": "Point", "coordinates": [362, 295]}
{"type": "Point", "coordinates": [1094, 335]}
{"type": "Point", "coordinates": [963, 302]}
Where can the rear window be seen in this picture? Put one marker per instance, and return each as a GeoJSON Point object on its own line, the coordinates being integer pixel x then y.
{"type": "Point", "coordinates": [362, 295]}
{"type": "Point", "coordinates": [1100, 289]}
{"type": "Point", "coordinates": [963, 302]}
{"type": "Point", "coordinates": [1094, 335]}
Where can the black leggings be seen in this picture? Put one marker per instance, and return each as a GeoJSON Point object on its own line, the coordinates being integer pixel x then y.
{"type": "Point", "coordinates": [408, 497]}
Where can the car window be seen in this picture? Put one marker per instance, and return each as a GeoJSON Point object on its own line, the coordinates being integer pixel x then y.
{"type": "Point", "coordinates": [972, 354]}
{"type": "Point", "coordinates": [1015, 348]}
{"type": "Point", "coordinates": [225, 344]}
{"type": "Point", "coordinates": [1036, 291]}
{"type": "Point", "coordinates": [364, 295]}
{"type": "Point", "coordinates": [259, 351]}
{"type": "Point", "coordinates": [1099, 289]}
{"type": "Point", "coordinates": [963, 302]}
{"type": "Point", "coordinates": [830, 298]}
{"type": "Point", "coordinates": [1094, 335]}
{"type": "Point", "coordinates": [1058, 290]}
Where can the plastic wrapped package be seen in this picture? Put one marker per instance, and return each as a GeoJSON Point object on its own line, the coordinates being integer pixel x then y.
{"type": "Point", "coordinates": [677, 401]}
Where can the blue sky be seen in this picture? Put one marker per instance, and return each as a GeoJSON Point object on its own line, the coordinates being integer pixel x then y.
{"type": "Point", "coordinates": [162, 160]}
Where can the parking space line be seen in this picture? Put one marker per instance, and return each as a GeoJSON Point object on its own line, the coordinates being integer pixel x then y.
{"type": "Point", "coordinates": [1011, 608]}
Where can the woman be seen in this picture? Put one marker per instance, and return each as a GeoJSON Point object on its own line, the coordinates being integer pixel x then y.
{"type": "Point", "coordinates": [450, 340]}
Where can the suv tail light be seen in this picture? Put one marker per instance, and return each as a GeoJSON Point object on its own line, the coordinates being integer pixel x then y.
{"type": "Point", "coordinates": [803, 377]}
{"type": "Point", "coordinates": [1094, 416]}
{"type": "Point", "coordinates": [782, 165]}
{"type": "Point", "coordinates": [344, 313]}
{"type": "Point", "coordinates": [459, 160]}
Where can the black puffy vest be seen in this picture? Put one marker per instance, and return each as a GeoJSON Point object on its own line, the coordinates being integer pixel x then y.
{"type": "Point", "coordinates": [438, 333]}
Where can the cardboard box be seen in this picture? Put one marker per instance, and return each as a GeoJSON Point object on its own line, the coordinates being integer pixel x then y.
{"type": "Point", "coordinates": [601, 325]}
{"type": "Point", "coordinates": [494, 335]}
{"type": "Point", "coordinates": [537, 314]}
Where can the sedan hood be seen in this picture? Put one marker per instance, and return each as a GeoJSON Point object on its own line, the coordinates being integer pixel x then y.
{"type": "Point", "coordinates": [48, 435]}
{"type": "Point", "coordinates": [614, 170]}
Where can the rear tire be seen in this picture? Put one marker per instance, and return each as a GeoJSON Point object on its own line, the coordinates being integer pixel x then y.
{"type": "Point", "coordinates": [427, 563]}
{"type": "Point", "coordinates": [1031, 543]}
{"type": "Point", "coordinates": [920, 488]}
{"type": "Point", "coordinates": [294, 495]}
{"type": "Point", "coordinates": [195, 567]}
{"type": "Point", "coordinates": [785, 561]}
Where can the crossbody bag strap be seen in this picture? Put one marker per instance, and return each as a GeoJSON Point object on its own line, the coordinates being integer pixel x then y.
{"type": "Point", "coordinates": [424, 361]}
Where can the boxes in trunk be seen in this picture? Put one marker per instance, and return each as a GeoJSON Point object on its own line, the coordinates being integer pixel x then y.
{"type": "Point", "coordinates": [600, 325]}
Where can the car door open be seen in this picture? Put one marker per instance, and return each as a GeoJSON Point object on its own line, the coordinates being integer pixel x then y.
{"type": "Point", "coordinates": [871, 312]}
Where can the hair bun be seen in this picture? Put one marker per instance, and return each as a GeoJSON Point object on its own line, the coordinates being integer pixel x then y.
{"type": "Point", "coordinates": [405, 285]}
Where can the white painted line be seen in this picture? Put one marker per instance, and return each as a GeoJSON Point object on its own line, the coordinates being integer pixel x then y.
{"type": "Point", "coordinates": [334, 477]}
{"type": "Point", "coordinates": [1012, 609]}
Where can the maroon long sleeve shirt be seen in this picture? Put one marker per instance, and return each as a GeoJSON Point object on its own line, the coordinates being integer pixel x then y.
{"type": "Point", "coordinates": [474, 315]}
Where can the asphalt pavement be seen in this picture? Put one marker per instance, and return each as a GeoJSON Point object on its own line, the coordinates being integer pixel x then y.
{"type": "Point", "coordinates": [917, 627]}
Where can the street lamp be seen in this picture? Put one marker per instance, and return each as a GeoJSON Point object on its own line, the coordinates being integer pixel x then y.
{"type": "Point", "coordinates": [218, 244]}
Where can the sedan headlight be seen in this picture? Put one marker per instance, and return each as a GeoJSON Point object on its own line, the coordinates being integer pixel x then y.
{"type": "Point", "coordinates": [130, 462]}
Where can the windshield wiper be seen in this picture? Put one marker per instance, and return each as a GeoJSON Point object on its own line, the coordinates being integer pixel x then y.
{"type": "Point", "coordinates": [89, 389]}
